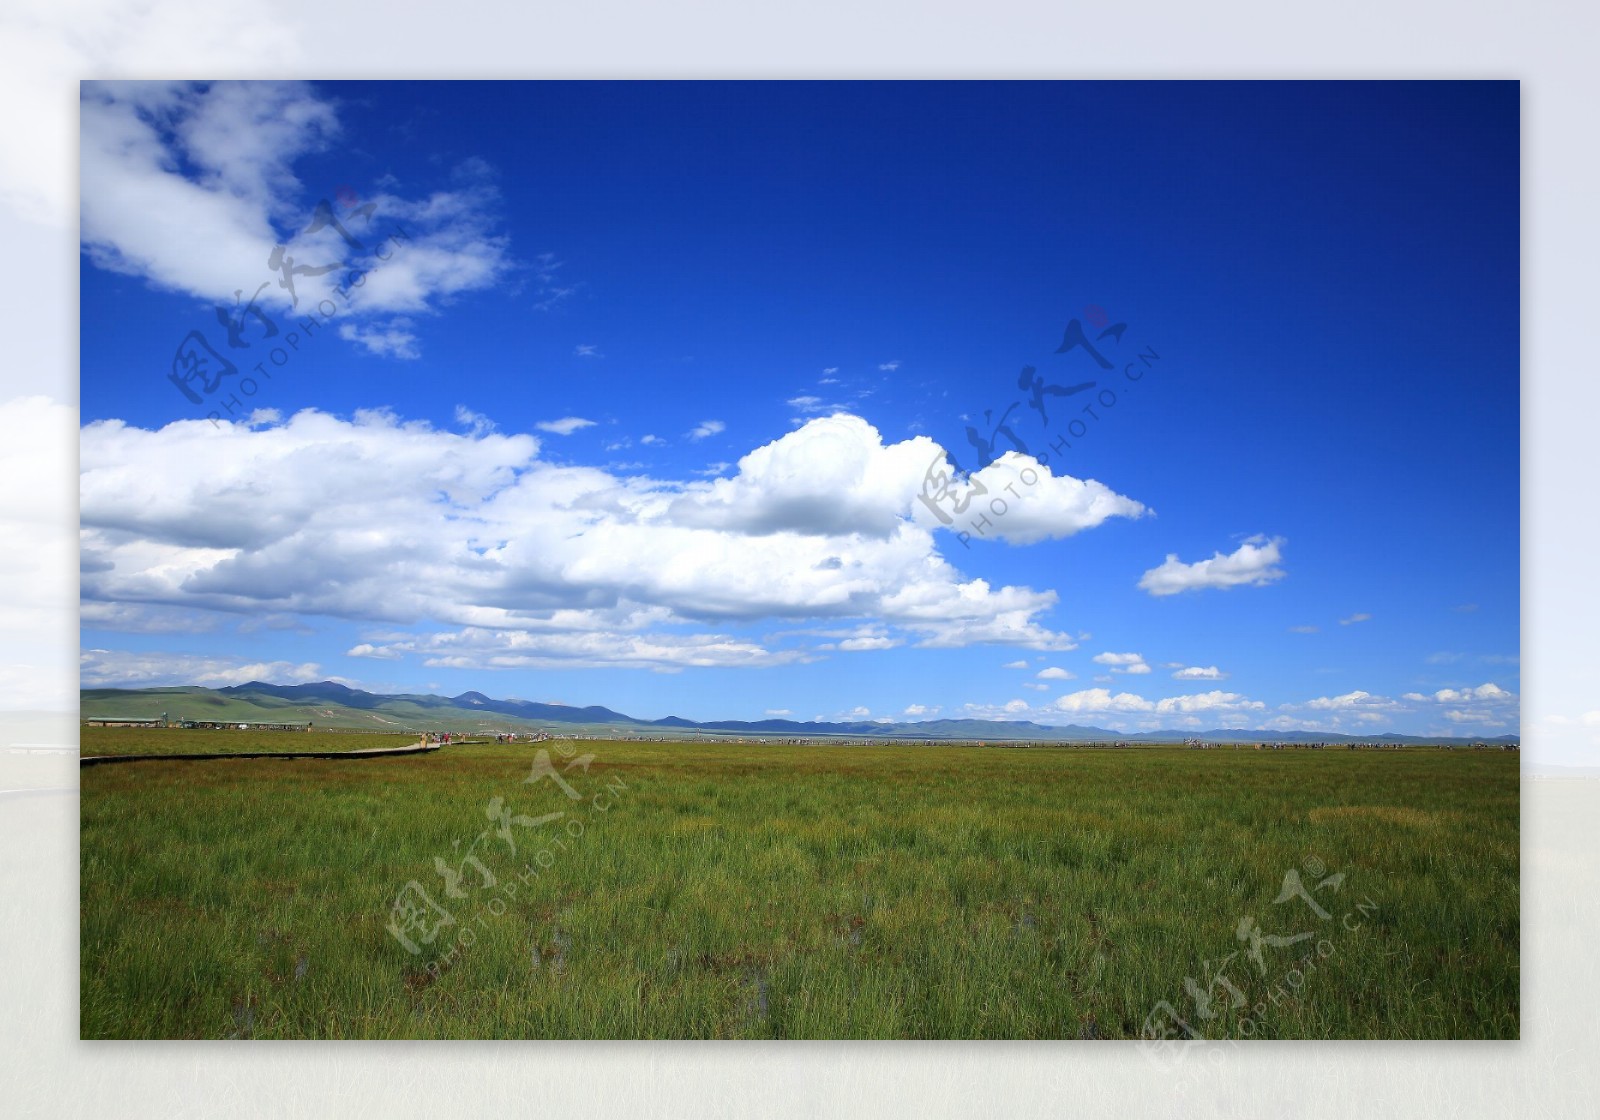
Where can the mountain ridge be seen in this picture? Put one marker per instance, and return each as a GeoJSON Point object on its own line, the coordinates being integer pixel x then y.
{"type": "Point", "coordinates": [330, 703]}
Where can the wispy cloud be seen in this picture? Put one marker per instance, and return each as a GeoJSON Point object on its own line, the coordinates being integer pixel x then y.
{"type": "Point", "coordinates": [1355, 618]}
{"type": "Point", "coordinates": [550, 292]}
{"type": "Point", "coordinates": [564, 426]}
{"type": "Point", "coordinates": [475, 422]}
{"type": "Point", "coordinates": [706, 428]}
{"type": "Point", "coordinates": [390, 339]}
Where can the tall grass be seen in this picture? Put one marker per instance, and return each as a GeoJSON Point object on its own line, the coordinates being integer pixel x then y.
{"type": "Point", "coordinates": [736, 890]}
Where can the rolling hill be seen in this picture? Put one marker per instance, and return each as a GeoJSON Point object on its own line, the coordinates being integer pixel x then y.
{"type": "Point", "coordinates": [333, 705]}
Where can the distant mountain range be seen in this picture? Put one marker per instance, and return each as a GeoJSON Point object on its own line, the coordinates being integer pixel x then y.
{"type": "Point", "coordinates": [328, 704]}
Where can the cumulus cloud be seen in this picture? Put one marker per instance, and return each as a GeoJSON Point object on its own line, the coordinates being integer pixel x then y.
{"type": "Point", "coordinates": [1101, 700]}
{"type": "Point", "coordinates": [1055, 674]}
{"type": "Point", "coordinates": [1488, 706]}
{"type": "Point", "coordinates": [1349, 700]}
{"type": "Point", "coordinates": [564, 426]}
{"type": "Point", "coordinates": [1034, 504]}
{"type": "Point", "coordinates": [1253, 564]}
{"type": "Point", "coordinates": [1092, 701]}
{"type": "Point", "coordinates": [192, 186]}
{"type": "Point", "coordinates": [1123, 662]}
{"type": "Point", "coordinates": [1214, 701]}
{"type": "Point", "coordinates": [922, 711]}
{"type": "Point", "coordinates": [1015, 665]}
{"type": "Point", "coordinates": [706, 428]}
{"type": "Point", "coordinates": [1199, 673]}
{"type": "Point", "coordinates": [777, 712]}
{"type": "Point", "coordinates": [523, 562]}
{"type": "Point", "coordinates": [835, 474]}
{"type": "Point", "coordinates": [1489, 691]}
{"type": "Point", "coordinates": [101, 668]}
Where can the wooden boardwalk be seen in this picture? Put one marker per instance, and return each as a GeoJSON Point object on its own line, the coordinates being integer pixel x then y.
{"type": "Point", "coordinates": [368, 752]}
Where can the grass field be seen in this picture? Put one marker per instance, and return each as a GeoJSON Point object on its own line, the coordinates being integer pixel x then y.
{"type": "Point", "coordinates": [745, 891]}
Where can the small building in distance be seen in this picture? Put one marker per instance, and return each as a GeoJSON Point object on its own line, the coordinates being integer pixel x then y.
{"type": "Point", "coordinates": [127, 721]}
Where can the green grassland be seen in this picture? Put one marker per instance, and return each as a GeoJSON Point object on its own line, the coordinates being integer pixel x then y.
{"type": "Point", "coordinates": [737, 890]}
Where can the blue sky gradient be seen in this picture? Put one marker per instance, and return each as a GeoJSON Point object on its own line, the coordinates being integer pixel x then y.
{"type": "Point", "coordinates": [1329, 273]}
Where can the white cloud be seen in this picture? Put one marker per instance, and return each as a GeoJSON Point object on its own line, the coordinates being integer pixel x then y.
{"type": "Point", "coordinates": [922, 711]}
{"type": "Point", "coordinates": [1036, 687]}
{"type": "Point", "coordinates": [380, 653]}
{"type": "Point", "coordinates": [836, 474]}
{"type": "Point", "coordinates": [586, 350]}
{"type": "Point", "coordinates": [1215, 701]}
{"type": "Point", "coordinates": [476, 422]}
{"type": "Point", "coordinates": [1489, 692]}
{"type": "Point", "coordinates": [1054, 673]}
{"type": "Point", "coordinates": [587, 642]}
{"type": "Point", "coordinates": [1353, 619]}
{"type": "Point", "coordinates": [101, 668]}
{"type": "Point", "coordinates": [1303, 629]}
{"type": "Point", "coordinates": [777, 712]}
{"type": "Point", "coordinates": [889, 367]}
{"type": "Point", "coordinates": [870, 642]}
{"type": "Point", "coordinates": [1253, 564]}
{"type": "Point", "coordinates": [564, 426]}
{"type": "Point", "coordinates": [1349, 700]}
{"type": "Point", "coordinates": [1123, 662]}
{"type": "Point", "coordinates": [1015, 665]}
{"type": "Point", "coordinates": [522, 562]}
{"type": "Point", "coordinates": [191, 187]}
{"type": "Point", "coordinates": [649, 440]}
{"type": "Point", "coordinates": [1100, 700]}
{"type": "Point", "coordinates": [707, 428]}
{"type": "Point", "coordinates": [1199, 673]}
{"type": "Point", "coordinates": [392, 339]}
{"type": "Point", "coordinates": [1024, 503]}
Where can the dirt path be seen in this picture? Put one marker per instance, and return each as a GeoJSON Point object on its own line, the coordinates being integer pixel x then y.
{"type": "Point", "coordinates": [368, 752]}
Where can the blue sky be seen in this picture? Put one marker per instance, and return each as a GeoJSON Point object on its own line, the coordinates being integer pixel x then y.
{"type": "Point", "coordinates": [496, 465]}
